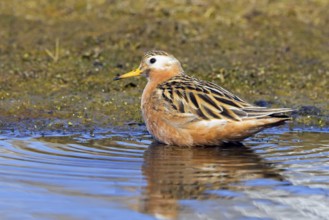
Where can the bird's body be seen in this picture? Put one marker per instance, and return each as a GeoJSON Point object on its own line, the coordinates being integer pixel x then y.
{"type": "Point", "coordinates": [184, 111]}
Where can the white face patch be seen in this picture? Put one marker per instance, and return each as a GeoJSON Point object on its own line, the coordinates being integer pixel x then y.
{"type": "Point", "coordinates": [160, 62]}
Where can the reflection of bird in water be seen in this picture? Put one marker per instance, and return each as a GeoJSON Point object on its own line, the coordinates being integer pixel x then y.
{"type": "Point", "coordinates": [174, 174]}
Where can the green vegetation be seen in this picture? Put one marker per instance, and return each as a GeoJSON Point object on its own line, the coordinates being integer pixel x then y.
{"type": "Point", "coordinates": [58, 58]}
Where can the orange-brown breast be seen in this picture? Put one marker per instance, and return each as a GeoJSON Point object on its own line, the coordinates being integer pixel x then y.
{"type": "Point", "coordinates": [158, 118]}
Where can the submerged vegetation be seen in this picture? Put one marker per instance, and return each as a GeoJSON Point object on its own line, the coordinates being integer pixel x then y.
{"type": "Point", "coordinates": [58, 58]}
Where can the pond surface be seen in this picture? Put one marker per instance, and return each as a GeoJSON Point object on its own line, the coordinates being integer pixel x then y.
{"type": "Point", "coordinates": [278, 174]}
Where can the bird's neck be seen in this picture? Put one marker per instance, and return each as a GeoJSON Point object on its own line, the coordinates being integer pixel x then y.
{"type": "Point", "coordinates": [148, 91]}
{"type": "Point", "coordinates": [156, 78]}
{"type": "Point", "coordinates": [160, 76]}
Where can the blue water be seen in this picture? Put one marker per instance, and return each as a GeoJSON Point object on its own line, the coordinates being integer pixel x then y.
{"type": "Point", "coordinates": [278, 174]}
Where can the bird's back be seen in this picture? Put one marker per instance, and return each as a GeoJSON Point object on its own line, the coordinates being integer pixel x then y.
{"type": "Point", "coordinates": [207, 101]}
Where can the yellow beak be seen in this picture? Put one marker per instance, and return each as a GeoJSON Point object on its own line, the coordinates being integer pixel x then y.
{"type": "Point", "coordinates": [136, 72]}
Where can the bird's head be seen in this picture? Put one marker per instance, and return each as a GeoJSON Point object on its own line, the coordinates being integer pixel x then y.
{"type": "Point", "coordinates": [156, 66]}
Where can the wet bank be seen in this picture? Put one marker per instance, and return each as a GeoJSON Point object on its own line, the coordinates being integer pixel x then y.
{"type": "Point", "coordinates": [57, 60]}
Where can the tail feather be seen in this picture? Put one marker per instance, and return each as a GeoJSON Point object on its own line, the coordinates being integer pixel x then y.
{"type": "Point", "coordinates": [261, 112]}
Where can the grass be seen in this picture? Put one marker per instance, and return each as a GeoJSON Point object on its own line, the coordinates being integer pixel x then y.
{"type": "Point", "coordinates": [54, 55]}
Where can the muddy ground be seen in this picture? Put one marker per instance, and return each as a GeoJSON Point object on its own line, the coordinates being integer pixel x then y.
{"type": "Point", "coordinates": [58, 58]}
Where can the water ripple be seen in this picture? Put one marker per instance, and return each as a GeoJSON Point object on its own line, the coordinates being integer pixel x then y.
{"type": "Point", "coordinates": [272, 172]}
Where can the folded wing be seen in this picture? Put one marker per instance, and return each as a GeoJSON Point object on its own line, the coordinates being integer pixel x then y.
{"type": "Point", "coordinates": [209, 101]}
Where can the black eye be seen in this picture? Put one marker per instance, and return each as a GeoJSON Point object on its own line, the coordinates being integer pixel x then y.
{"type": "Point", "coordinates": [153, 60]}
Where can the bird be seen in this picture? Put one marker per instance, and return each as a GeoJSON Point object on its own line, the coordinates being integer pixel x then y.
{"type": "Point", "coordinates": [181, 110]}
